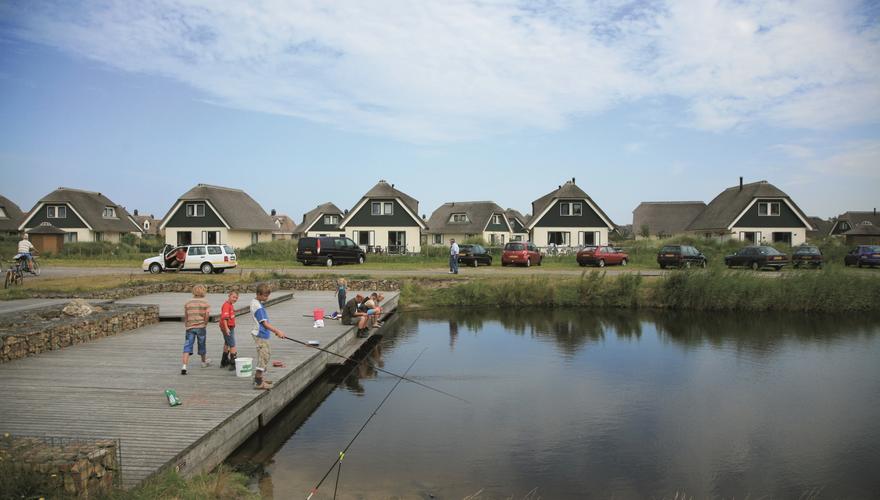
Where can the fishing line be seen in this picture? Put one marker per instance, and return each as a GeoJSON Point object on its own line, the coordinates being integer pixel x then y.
{"type": "Point", "coordinates": [342, 453]}
{"type": "Point", "coordinates": [378, 369]}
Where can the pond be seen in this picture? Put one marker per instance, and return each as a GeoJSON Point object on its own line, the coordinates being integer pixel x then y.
{"type": "Point", "coordinates": [582, 404]}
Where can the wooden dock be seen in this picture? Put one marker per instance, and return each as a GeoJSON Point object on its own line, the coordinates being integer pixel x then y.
{"type": "Point", "coordinates": [114, 388]}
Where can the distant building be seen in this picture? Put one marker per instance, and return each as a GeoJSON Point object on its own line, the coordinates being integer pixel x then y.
{"type": "Point", "coordinates": [517, 223]}
{"type": "Point", "coordinates": [285, 228]}
{"type": "Point", "coordinates": [465, 220]}
{"type": "Point", "coordinates": [662, 219]}
{"type": "Point", "coordinates": [84, 216]}
{"type": "Point", "coordinates": [567, 216]}
{"type": "Point", "coordinates": [385, 219]}
{"type": "Point", "coordinates": [849, 220]}
{"type": "Point", "coordinates": [322, 220]}
{"type": "Point", "coordinates": [757, 212]}
{"type": "Point", "coordinates": [217, 215]}
{"type": "Point", "coordinates": [864, 233]}
{"type": "Point", "coordinates": [149, 224]}
{"type": "Point", "coordinates": [10, 217]}
{"type": "Point", "coordinates": [821, 228]}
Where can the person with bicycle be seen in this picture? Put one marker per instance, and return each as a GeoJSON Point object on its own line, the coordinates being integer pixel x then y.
{"type": "Point", "coordinates": [26, 249]}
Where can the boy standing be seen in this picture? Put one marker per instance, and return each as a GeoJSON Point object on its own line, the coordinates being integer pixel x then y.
{"type": "Point", "coordinates": [261, 336]}
{"type": "Point", "coordinates": [227, 326]}
{"type": "Point", "coordinates": [195, 315]}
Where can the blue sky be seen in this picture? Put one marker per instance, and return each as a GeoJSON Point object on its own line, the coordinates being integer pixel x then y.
{"type": "Point", "coordinates": [300, 103]}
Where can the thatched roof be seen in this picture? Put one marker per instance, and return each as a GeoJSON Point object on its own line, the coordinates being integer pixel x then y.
{"type": "Point", "coordinates": [566, 191]}
{"type": "Point", "coordinates": [90, 206]}
{"type": "Point", "coordinates": [478, 215]}
{"type": "Point", "coordinates": [666, 217]}
{"type": "Point", "coordinates": [312, 216]}
{"type": "Point", "coordinates": [12, 215]}
{"type": "Point", "coordinates": [237, 208]}
{"type": "Point", "coordinates": [727, 206]}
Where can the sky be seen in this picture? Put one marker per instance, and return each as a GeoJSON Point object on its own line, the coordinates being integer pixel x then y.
{"type": "Point", "coordinates": [299, 103]}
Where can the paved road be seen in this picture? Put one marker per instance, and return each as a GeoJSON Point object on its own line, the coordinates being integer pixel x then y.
{"type": "Point", "coordinates": [67, 272]}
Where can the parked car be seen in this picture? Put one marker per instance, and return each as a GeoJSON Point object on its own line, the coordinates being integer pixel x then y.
{"type": "Point", "coordinates": [205, 258]}
{"type": "Point", "coordinates": [807, 255]}
{"type": "Point", "coordinates": [329, 251]}
{"type": "Point", "coordinates": [757, 257]}
{"type": "Point", "coordinates": [863, 255]}
{"type": "Point", "coordinates": [474, 255]}
{"type": "Point", "coordinates": [602, 256]}
{"type": "Point", "coordinates": [521, 253]}
{"type": "Point", "coordinates": [680, 256]}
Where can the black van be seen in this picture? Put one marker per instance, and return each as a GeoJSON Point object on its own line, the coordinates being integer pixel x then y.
{"type": "Point", "coordinates": [329, 251]}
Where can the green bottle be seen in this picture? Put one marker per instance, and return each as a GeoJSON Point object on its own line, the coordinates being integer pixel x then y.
{"type": "Point", "coordinates": [173, 398]}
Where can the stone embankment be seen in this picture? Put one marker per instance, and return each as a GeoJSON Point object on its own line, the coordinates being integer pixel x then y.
{"type": "Point", "coordinates": [26, 333]}
{"type": "Point", "coordinates": [126, 292]}
{"type": "Point", "coordinates": [67, 468]}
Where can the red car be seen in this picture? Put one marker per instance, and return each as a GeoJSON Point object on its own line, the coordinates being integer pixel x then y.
{"type": "Point", "coordinates": [602, 256]}
{"type": "Point", "coordinates": [523, 253]}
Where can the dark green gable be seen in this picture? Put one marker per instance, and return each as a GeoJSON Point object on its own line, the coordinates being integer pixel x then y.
{"type": "Point", "coordinates": [517, 227]}
{"type": "Point", "coordinates": [496, 227]}
{"type": "Point", "coordinates": [320, 226]}
{"type": "Point", "coordinates": [70, 222]}
{"type": "Point", "coordinates": [179, 218]}
{"type": "Point", "coordinates": [786, 217]}
{"type": "Point", "coordinates": [588, 217]}
{"type": "Point", "coordinates": [364, 217]}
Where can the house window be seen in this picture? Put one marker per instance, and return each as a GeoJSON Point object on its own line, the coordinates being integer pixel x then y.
{"type": "Point", "coordinates": [496, 220]}
{"type": "Point", "coordinates": [570, 208]}
{"type": "Point", "coordinates": [496, 239]}
{"type": "Point", "coordinates": [458, 218]}
{"type": "Point", "coordinates": [517, 237]}
{"type": "Point", "coordinates": [438, 239]}
{"type": "Point", "coordinates": [109, 213]}
{"type": "Point", "coordinates": [56, 212]}
{"type": "Point", "coordinates": [70, 237]}
{"type": "Point", "coordinates": [331, 220]}
{"type": "Point", "coordinates": [3, 213]}
{"type": "Point", "coordinates": [559, 238]}
{"type": "Point", "coordinates": [768, 208]}
{"type": "Point", "coordinates": [376, 208]}
{"type": "Point", "coordinates": [255, 238]}
{"type": "Point", "coordinates": [387, 208]}
{"type": "Point", "coordinates": [195, 209]}
{"type": "Point", "coordinates": [146, 225]}
{"type": "Point", "coordinates": [99, 236]}
{"type": "Point", "coordinates": [844, 226]}
{"type": "Point", "coordinates": [588, 238]}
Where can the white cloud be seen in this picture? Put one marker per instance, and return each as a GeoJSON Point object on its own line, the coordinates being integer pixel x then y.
{"type": "Point", "coordinates": [854, 159]}
{"type": "Point", "coordinates": [445, 71]}
{"type": "Point", "coordinates": [796, 151]}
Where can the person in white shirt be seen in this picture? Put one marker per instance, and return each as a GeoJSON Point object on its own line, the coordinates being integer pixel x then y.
{"type": "Point", "coordinates": [26, 249]}
{"type": "Point", "coordinates": [453, 257]}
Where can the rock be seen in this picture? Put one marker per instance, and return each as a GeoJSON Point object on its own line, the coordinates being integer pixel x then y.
{"type": "Point", "coordinates": [78, 308]}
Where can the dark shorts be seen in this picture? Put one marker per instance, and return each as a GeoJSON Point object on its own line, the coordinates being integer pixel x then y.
{"type": "Point", "coordinates": [229, 340]}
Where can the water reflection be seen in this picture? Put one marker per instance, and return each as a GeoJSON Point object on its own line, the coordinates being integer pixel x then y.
{"type": "Point", "coordinates": [583, 404]}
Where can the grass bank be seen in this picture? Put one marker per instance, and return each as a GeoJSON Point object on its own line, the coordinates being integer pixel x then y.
{"type": "Point", "coordinates": [828, 291]}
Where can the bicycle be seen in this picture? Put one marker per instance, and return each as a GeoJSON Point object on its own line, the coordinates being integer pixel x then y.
{"type": "Point", "coordinates": [15, 273]}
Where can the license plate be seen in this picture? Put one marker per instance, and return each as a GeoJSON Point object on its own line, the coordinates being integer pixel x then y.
{"type": "Point", "coordinates": [807, 258]}
{"type": "Point", "coordinates": [308, 252]}
{"type": "Point", "coordinates": [777, 258]}
{"type": "Point", "coordinates": [669, 255]}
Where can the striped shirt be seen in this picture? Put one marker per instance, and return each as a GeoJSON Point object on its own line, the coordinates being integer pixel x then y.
{"type": "Point", "coordinates": [195, 314]}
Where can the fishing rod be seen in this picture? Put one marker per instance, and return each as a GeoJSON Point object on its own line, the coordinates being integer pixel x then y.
{"type": "Point", "coordinates": [338, 460]}
{"type": "Point", "coordinates": [378, 369]}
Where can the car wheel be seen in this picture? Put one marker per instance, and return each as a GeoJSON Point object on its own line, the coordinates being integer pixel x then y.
{"type": "Point", "coordinates": [755, 266]}
{"type": "Point", "coordinates": [687, 264]}
{"type": "Point", "coordinates": [476, 263]}
{"type": "Point", "coordinates": [795, 265]}
{"type": "Point", "coordinates": [582, 264]}
{"type": "Point", "coordinates": [662, 266]}
{"type": "Point", "coordinates": [329, 262]}
{"type": "Point", "coordinates": [529, 263]}
{"type": "Point", "coordinates": [540, 260]}
{"type": "Point", "coordinates": [601, 263]}
{"type": "Point", "coordinates": [360, 259]}
{"type": "Point", "coordinates": [777, 268]}
{"type": "Point", "coordinates": [860, 265]}
{"type": "Point", "coordinates": [703, 264]}
{"type": "Point", "coordinates": [207, 268]}
{"type": "Point", "coordinates": [623, 262]}
{"type": "Point", "coordinates": [155, 268]}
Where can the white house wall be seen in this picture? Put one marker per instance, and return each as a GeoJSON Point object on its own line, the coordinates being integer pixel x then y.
{"type": "Point", "coordinates": [798, 234]}
{"type": "Point", "coordinates": [413, 236]}
{"type": "Point", "coordinates": [539, 234]}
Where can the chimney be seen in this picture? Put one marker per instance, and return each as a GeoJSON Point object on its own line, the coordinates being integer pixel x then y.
{"type": "Point", "coordinates": [135, 211]}
{"type": "Point", "coordinates": [392, 186]}
{"type": "Point", "coordinates": [274, 212]}
{"type": "Point", "coordinates": [572, 180]}
{"type": "Point", "coordinates": [740, 183]}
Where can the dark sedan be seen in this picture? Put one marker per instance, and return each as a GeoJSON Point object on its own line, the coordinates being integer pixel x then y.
{"type": "Point", "coordinates": [757, 257]}
{"type": "Point", "coordinates": [474, 255]}
{"type": "Point", "coordinates": [807, 255]}
{"type": "Point", "coordinates": [680, 256]}
{"type": "Point", "coordinates": [863, 255]}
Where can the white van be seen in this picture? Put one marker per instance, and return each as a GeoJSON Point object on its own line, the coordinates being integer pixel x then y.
{"type": "Point", "coordinates": [205, 258]}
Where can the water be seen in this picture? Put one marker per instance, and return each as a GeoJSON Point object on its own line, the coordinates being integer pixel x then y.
{"type": "Point", "coordinates": [573, 404]}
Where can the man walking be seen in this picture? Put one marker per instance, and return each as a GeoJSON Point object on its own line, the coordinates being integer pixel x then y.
{"type": "Point", "coordinates": [453, 257]}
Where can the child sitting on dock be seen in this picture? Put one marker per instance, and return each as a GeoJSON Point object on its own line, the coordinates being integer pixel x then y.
{"type": "Point", "coordinates": [195, 315]}
{"type": "Point", "coordinates": [227, 327]}
{"type": "Point", "coordinates": [261, 336]}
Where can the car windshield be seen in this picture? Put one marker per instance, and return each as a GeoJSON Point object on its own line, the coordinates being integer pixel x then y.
{"type": "Point", "coordinates": [466, 247]}
{"type": "Point", "coordinates": [770, 251]}
{"type": "Point", "coordinates": [807, 251]}
{"type": "Point", "coordinates": [871, 249]}
{"type": "Point", "coordinates": [228, 249]}
{"type": "Point", "coordinates": [670, 249]}
{"type": "Point", "coordinates": [514, 247]}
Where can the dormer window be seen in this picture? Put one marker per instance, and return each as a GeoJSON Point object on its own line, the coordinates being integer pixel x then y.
{"type": "Point", "coordinates": [496, 220]}
{"type": "Point", "coordinates": [146, 225]}
{"type": "Point", "coordinates": [109, 213]}
{"type": "Point", "coordinates": [56, 212]}
{"type": "Point", "coordinates": [331, 220]}
{"type": "Point", "coordinates": [3, 213]}
{"type": "Point", "coordinates": [382, 208]}
{"type": "Point", "coordinates": [570, 208]}
{"type": "Point", "coordinates": [195, 209]}
{"type": "Point", "coordinates": [844, 226]}
{"type": "Point", "coordinates": [458, 218]}
{"type": "Point", "coordinates": [866, 223]}
{"type": "Point", "coordinates": [278, 223]}
{"type": "Point", "coordinates": [768, 209]}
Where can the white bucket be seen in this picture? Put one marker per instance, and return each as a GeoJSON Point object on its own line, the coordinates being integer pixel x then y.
{"type": "Point", "coordinates": [244, 367]}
